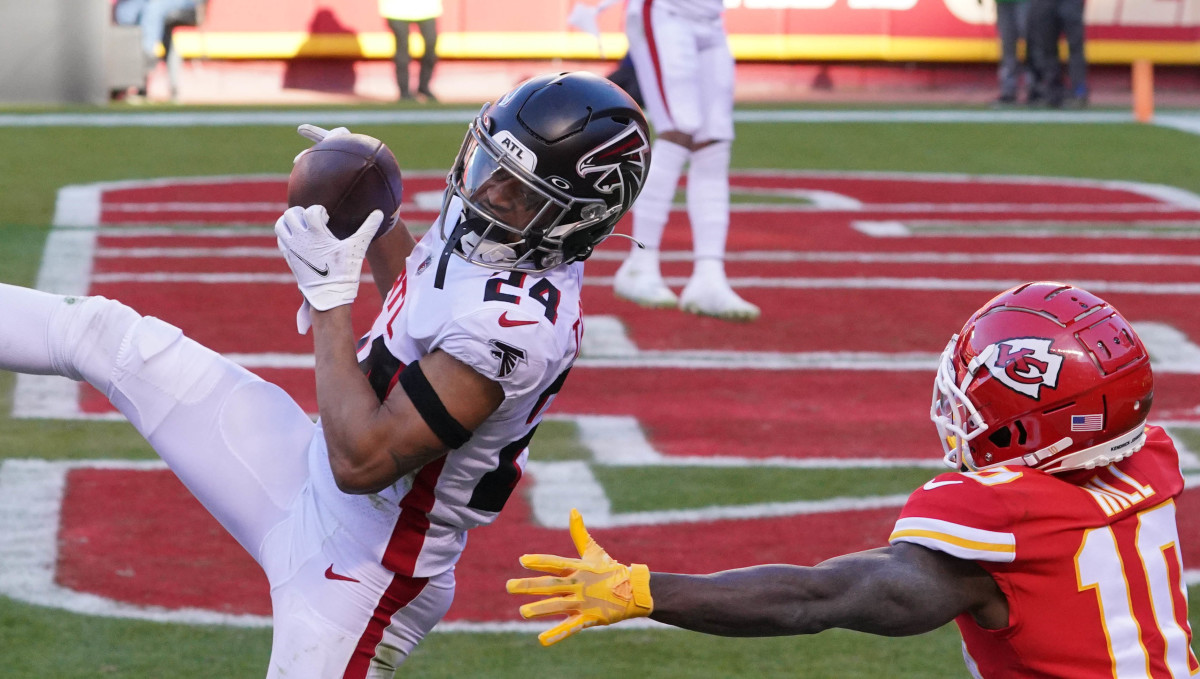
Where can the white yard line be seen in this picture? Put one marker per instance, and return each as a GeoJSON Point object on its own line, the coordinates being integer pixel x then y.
{"type": "Point", "coordinates": [783, 282]}
{"type": "Point", "coordinates": [1140, 230]}
{"type": "Point", "coordinates": [350, 117]}
{"type": "Point", "coordinates": [204, 206]}
{"type": "Point", "coordinates": [754, 256]}
{"type": "Point", "coordinates": [607, 345]}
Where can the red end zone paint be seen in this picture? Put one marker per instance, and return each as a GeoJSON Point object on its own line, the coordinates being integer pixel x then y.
{"type": "Point", "coordinates": [156, 545]}
{"type": "Point", "coordinates": [138, 536]}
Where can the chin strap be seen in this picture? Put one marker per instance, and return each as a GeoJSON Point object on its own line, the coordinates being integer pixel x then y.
{"type": "Point", "coordinates": [1102, 454]}
{"type": "Point", "coordinates": [486, 251]}
{"type": "Point", "coordinates": [1099, 455]}
{"type": "Point", "coordinates": [448, 251]}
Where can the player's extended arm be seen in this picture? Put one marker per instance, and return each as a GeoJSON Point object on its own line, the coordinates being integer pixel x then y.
{"type": "Point", "coordinates": [898, 590]}
{"type": "Point", "coordinates": [891, 591]}
{"type": "Point", "coordinates": [371, 444]}
{"type": "Point", "coordinates": [440, 400]}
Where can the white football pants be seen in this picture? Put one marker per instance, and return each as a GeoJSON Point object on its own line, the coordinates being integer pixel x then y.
{"type": "Point", "coordinates": [684, 70]}
{"type": "Point", "coordinates": [242, 446]}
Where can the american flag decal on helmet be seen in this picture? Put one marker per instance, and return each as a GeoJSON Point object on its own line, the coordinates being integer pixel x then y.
{"type": "Point", "coordinates": [620, 162]}
{"type": "Point", "coordinates": [508, 355]}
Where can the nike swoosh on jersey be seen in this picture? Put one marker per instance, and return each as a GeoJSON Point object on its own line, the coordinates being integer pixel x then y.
{"type": "Point", "coordinates": [330, 575]}
{"type": "Point", "coordinates": [506, 322]}
{"type": "Point", "coordinates": [320, 272]}
{"type": "Point", "coordinates": [931, 484]}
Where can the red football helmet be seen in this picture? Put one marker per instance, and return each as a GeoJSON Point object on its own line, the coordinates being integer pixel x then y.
{"type": "Point", "coordinates": [1047, 376]}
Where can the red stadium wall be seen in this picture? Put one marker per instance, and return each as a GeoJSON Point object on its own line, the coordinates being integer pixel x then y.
{"type": "Point", "coordinates": [1119, 31]}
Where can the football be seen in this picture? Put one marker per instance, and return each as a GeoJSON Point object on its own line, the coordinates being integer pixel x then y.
{"type": "Point", "coordinates": [351, 175]}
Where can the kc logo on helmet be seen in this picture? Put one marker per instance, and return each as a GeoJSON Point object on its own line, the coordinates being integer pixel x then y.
{"type": "Point", "coordinates": [1025, 365]}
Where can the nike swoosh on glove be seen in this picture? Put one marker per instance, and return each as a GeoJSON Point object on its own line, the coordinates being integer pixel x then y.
{"type": "Point", "coordinates": [327, 270]}
{"type": "Point", "coordinates": [594, 589]}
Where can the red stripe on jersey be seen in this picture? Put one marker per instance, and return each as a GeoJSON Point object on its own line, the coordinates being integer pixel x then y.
{"type": "Point", "coordinates": [400, 289]}
{"type": "Point", "coordinates": [400, 557]}
{"type": "Point", "coordinates": [393, 382]}
{"type": "Point", "coordinates": [648, 26]}
{"type": "Point", "coordinates": [408, 536]}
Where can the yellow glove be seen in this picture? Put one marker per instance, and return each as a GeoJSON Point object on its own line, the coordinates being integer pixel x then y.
{"type": "Point", "coordinates": [592, 590]}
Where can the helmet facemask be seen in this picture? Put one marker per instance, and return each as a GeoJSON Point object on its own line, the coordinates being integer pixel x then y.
{"type": "Point", "coordinates": [957, 420]}
{"type": "Point", "coordinates": [513, 219]}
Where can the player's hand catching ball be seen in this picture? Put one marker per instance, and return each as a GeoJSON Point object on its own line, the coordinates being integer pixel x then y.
{"type": "Point", "coordinates": [592, 590]}
{"type": "Point", "coordinates": [327, 270]}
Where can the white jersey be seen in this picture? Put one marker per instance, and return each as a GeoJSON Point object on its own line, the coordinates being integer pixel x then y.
{"type": "Point", "coordinates": [521, 330]}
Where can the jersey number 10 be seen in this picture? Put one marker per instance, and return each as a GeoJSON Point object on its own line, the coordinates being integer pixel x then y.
{"type": "Point", "coordinates": [1099, 567]}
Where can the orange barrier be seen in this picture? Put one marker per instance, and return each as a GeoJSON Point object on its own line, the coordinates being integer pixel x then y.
{"type": "Point", "coordinates": [1143, 90]}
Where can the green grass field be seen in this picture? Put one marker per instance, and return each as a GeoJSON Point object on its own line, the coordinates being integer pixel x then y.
{"type": "Point", "coordinates": [37, 643]}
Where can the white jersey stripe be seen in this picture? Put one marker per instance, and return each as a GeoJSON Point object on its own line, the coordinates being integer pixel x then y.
{"type": "Point", "coordinates": [956, 540]}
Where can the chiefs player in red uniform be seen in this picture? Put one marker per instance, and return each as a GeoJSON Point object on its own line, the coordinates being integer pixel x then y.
{"type": "Point", "coordinates": [1053, 546]}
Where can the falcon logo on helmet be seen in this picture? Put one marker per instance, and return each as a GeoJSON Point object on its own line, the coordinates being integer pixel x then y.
{"type": "Point", "coordinates": [1025, 365]}
{"type": "Point", "coordinates": [608, 159]}
{"type": "Point", "coordinates": [543, 176]}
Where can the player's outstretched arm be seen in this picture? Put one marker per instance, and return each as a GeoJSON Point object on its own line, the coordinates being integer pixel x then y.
{"type": "Point", "coordinates": [898, 590]}
{"type": "Point", "coordinates": [892, 591]}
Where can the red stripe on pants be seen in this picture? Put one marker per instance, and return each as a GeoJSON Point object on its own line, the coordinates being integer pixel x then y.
{"type": "Point", "coordinates": [648, 27]}
{"type": "Point", "coordinates": [400, 557]}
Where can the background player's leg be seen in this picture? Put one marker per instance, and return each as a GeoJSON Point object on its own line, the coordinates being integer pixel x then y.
{"type": "Point", "coordinates": [640, 277]}
{"type": "Point", "coordinates": [708, 292]}
{"type": "Point", "coordinates": [238, 443]}
{"type": "Point", "coordinates": [664, 58]}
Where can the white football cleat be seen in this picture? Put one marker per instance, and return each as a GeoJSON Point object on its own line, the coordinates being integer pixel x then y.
{"type": "Point", "coordinates": [642, 283]}
{"type": "Point", "coordinates": [712, 296]}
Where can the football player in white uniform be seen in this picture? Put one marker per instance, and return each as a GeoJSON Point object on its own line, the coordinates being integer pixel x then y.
{"type": "Point", "coordinates": [685, 73]}
{"type": "Point", "coordinates": [358, 519]}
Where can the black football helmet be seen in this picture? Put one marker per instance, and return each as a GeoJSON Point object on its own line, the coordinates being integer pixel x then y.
{"type": "Point", "coordinates": [545, 173]}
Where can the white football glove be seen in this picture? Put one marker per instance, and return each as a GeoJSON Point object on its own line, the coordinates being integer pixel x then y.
{"type": "Point", "coordinates": [327, 270]}
{"type": "Point", "coordinates": [317, 134]}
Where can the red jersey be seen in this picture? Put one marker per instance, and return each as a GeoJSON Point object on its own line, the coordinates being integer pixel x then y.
{"type": "Point", "coordinates": [1089, 562]}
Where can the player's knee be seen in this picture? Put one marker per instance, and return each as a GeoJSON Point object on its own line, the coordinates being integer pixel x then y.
{"type": "Point", "coordinates": [158, 369]}
{"type": "Point", "coordinates": [87, 334]}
